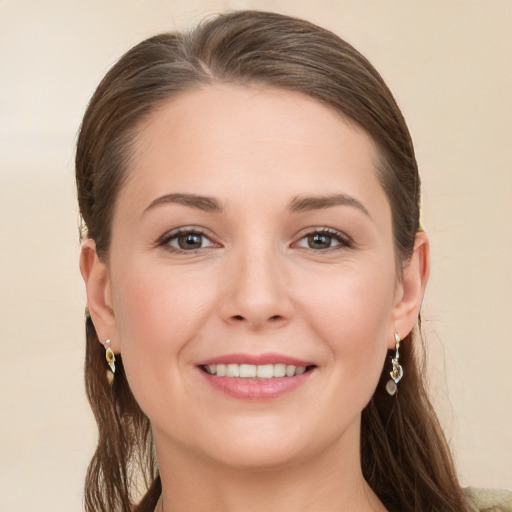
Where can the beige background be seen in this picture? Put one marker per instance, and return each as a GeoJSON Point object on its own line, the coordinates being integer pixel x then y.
{"type": "Point", "coordinates": [449, 65]}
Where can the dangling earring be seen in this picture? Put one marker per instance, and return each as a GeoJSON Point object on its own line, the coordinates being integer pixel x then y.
{"type": "Point", "coordinates": [397, 372]}
{"type": "Point", "coordinates": [111, 361]}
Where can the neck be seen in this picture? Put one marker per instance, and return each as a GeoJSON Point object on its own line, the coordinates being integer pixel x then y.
{"type": "Point", "coordinates": [329, 481]}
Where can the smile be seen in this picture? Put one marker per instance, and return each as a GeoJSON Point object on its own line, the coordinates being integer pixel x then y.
{"type": "Point", "coordinates": [252, 371]}
{"type": "Point", "coordinates": [256, 377]}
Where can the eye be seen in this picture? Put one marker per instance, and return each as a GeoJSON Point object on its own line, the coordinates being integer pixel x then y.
{"type": "Point", "coordinates": [322, 240]}
{"type": "Point", "coordinates": [186, 240]}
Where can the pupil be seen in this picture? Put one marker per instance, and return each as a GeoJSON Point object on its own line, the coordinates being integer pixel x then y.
{"type": "Point", "coordinates": [190, 241]}
{"type": "Point", "coordinates": [319, 241]}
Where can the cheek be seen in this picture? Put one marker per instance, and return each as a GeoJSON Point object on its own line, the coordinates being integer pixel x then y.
{"type": "Point", "coordinates": [351, 311]}
{"type": "Point", "coordinates": [157, 314]}
{"type": "Point", "coordinates": [154, 307]}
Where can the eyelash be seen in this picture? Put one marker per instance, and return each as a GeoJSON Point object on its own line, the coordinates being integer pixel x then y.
{"type": "Point", "coordinates": [174, 235]}
{"type": "Point", "coordinates": [332, 234]}
{"type": "Point", "coordinates": [343, 240]}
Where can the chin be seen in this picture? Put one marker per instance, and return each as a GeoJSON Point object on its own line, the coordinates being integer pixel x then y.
{"type": "Point", "coordinates": [268, 446]}
{"type": "Point", "coordinates": [259, 458]}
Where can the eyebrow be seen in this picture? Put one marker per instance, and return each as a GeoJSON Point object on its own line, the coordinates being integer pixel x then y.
{"type": "Point", "coordinates": [308, 203]}
{"type": "Point", "coordinates": [204, 203]}
{"type": "Point", "coordinates": [297, 205]}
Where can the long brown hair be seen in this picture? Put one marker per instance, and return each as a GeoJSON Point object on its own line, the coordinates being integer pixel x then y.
{"type": "Point", "coordinates": [405, 458]}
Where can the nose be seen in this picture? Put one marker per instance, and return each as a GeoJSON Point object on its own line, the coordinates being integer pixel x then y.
{"type": "Point", "coordinates": [255, 291]}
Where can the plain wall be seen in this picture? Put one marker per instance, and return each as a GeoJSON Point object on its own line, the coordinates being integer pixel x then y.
{"type": "Point", "coordinates": [449, 66]}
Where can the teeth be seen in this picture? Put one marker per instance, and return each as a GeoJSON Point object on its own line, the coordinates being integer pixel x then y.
{"type": "Point", "coordinates": [232, 370]}
{"type": "Point", "coordinates": [279, 370]}
{"type": "Point", "coordinates": [251, 371]}
{"type": "Point", "coordinates": [265, 371]}
{"type": "Point", "coordinates": [248, 370]}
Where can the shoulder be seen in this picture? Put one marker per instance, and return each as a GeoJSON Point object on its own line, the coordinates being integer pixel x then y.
{"type": "Point", "coordinates": [488, 500]}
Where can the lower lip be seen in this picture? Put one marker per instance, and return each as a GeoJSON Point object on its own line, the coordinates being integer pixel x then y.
{"type": "Point", "coordinates": [256, 389]}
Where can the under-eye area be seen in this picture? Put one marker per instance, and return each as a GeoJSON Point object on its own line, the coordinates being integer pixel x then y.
{"type": "Point", "coordinates": [252, 371]}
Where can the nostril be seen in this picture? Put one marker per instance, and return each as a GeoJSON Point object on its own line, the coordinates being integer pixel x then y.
{"type": "Point", "coordinates": [273, 318]}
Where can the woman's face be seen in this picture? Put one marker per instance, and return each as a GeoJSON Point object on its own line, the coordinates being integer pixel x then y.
{"type": "Point", "coordinates": [252, 237]}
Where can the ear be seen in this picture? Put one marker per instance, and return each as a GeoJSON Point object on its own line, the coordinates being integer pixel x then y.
{"type": "Point", "coordinates": [410, 290]}
{"type": "Point", "coordinates": [99, 299]}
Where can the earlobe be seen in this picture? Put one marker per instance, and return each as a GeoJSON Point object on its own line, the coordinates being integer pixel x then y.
{"type": "Point", "coordinates": [412, 287]}
{"type": "Point", "coordinates": [97, 284]}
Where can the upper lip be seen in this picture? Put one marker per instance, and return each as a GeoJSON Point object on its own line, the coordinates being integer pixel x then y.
{"type": "Point", "coordinates": [255, 359]}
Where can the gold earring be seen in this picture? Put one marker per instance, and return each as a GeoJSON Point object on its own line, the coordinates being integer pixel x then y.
{"type": "Point", "coordinates": [397, 372]}
{"type": "Point", "coordinates": [111, 361]}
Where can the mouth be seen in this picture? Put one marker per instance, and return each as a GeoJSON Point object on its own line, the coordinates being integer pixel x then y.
{"type": "Point", "coordinates": [250, 377]}
{"type": "Point", "coordinates": [253, 371]}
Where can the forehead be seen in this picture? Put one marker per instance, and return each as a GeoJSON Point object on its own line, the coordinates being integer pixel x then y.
{"type": "Point", "coordinates": [224, 138]}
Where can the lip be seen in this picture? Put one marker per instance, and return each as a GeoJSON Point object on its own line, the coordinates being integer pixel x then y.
{"type": "Point", "coordinates": [253, 389]}
{"type": "Point", "coordinates": [256, 359]}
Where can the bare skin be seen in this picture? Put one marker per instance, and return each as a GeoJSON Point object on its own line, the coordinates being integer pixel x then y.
{"type": "Point", "coordinates": [253, 229]}
{"type": "Point", "coordinates": [322, 489]}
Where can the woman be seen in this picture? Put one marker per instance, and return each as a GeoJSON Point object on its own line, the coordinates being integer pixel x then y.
{"type": "Point", "coordinates": [254, 269]}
